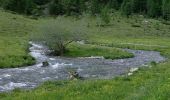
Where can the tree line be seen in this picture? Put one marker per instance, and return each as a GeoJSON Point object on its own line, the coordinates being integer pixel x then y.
{"type": "Point", "coordinates": [151, 8]}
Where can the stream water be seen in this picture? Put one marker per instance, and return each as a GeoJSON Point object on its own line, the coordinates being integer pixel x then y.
{"type": "Point", "coordinates": [31, 76]}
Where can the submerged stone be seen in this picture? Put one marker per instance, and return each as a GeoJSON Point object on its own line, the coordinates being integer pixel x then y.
{"type": "Point", "coordinates": [45, 64]}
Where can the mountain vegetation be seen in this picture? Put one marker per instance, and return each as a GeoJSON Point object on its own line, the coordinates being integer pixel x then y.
{"type": "Point", "coordinates": [149, 8]}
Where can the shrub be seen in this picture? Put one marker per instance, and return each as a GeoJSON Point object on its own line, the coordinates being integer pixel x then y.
{"type": "Point", "coordinates": [59, 34]}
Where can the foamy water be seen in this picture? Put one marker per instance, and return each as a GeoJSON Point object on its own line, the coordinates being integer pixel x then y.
{"type": "Point", "coordinates": [89, 67]}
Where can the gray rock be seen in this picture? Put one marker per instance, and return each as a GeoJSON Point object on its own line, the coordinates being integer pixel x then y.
{"type": "Point", "coordinates": [45, 64]}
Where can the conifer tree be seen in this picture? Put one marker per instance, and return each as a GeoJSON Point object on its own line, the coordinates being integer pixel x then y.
{"type": "Point", "coordinates": [166, 9]}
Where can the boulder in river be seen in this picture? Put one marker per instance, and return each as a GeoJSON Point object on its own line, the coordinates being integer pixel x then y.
{"type": "Point", "coordinates": [74, 75]}
{"type": "Point", "coordinates": [45, 64]}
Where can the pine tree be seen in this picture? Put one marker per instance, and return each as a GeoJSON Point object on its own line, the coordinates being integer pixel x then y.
{"type": "Point", "coordinates": [20, 6]}
{"type": "Point", "coordinates": [113, 4]}
{"type": "Point", "coordinates": [105, 15]}
{"type": "Point", "coordinates": [74, 7]}
{"type": "Point", "coordinates": [126, 8]}
{"type": "Point", "coordinates": [154, 8]}
{"type": "Point", "coordinates": [56, 8]}
{"type": "Point", "coordinates": [166, 9]}
{"type": "Point", "coordinates": [95, 7]}
{"type": "Point", "coordinates": [139, 6]}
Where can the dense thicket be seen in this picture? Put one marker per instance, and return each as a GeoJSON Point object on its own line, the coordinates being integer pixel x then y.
{"type": "Point", "coordinates": [151, 8]}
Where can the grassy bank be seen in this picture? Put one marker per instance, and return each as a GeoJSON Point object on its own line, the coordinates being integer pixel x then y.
{"type": "Point", "coordinates": [14, 36]}
{"type": "Point", "coordinates": [146, 84]}
{"type": "Point", "coordinates": [87, 50]}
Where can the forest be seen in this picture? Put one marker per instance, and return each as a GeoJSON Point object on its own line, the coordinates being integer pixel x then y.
{"type": "Point", "coordinates": [149, 8]}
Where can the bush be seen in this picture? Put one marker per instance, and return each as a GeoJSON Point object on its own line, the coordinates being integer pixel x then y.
{"type": "Point", "coordinates": [166, 22]}
{"type": "Point", "coordinates": [59, 34]}
{"type": "Point", "coordinates": [136, 25]}
{"type": "Point", "coordinates": [105, 15]}
{"type": "Point", "coordinates": [153, 63]}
